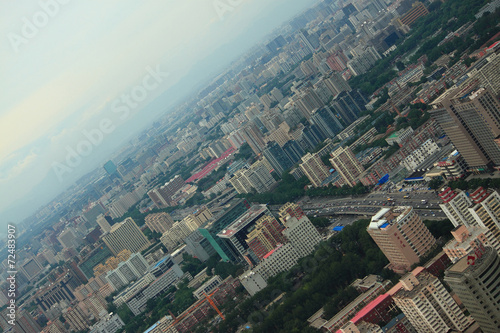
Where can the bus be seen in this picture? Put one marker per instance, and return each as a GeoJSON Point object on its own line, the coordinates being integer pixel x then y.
{"type": "Point", "coordinates": [406, 197]}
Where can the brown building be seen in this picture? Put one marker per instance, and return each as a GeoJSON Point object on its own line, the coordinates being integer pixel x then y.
{"type": "Point", "coordinates": [401, 235]}
{"type": "Point", "coordinates": [347, 165]}
{"type": "Point", "coordinates": [266, 236]}
{"type": "Point", "coordinates": [159, 222]}
{"type": "Point", "coordinates": [418, 10]}
{"type": "Point", "coordinates": [470, 117]}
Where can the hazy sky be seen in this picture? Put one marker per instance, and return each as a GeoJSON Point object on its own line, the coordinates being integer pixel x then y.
{"type": "Point", "coordinates": [76, 75]}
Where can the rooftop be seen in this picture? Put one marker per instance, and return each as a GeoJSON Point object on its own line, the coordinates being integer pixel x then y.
{"type": "Point", "coordinates": [254, 212]}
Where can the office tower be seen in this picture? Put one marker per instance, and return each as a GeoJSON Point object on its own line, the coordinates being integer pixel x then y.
{"type": "Point", "coordinates": [103, 223]}
{"type": "Point", "coordinates": [470, 116]}
{"type": "Point", "coordinates": [486, 210]}
{"type": "Point", "coordinates": [311, 137]}
{"type": "Point", "coordinates": [456, 206]}
{"type": "Point", "coordinates": [253, 136]}
{"type": "Point", "coordinates": [235, 234]}
{"type": "Point", "coordinates": [476, 281]}
{"type": "Point", "coordinates": [299, 230]}
{"type": "Point", "coordinates": [401, 235]}
{"type": "Point", "coordinates": [326, 121]}
{"type": "Point", "coordinates": [347, 165]}
{"type": "Point", "coordinates": [428, 305]}
{"type": "Point", "coordinates": [111, 169]}
{"type": "Point", "coordinates": [266, 236]}
{"type": "Point", "coordinates": [232, 210]}
{"type": "Point", "coordinates": [162, 196]}
{"type": "Point", "coordinates": [294, 151]}
{"type": "Point", "coordinates": [304, 38]}
{"type": "Point", "coordinates": [159, 222]}
{"type": "Point", "coordinates": [277, 157]}
{"type": "Point", "coordinates": [308, 101]}
{"type": "Point", "coordinates": [314, 169]}
{"type": "Point", "coordinates": [31, 267]}
{"type": "Point", "coordinates": [349, 104]}
{"type": "Point", "coordinates": [467, 239]}
{"type": "Point", "coordinates": [126, 235]}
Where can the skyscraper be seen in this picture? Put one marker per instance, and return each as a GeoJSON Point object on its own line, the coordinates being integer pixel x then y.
{"type": "Point", "coordinates": [299, 230]}
{"type": "Point", "coordinates": [126, 235]}
{"type": "Point", "coordinates": [401, 235]}
{"type": "Point", "coordinates": [456, 206]}
{"type": "Point", "coordinates": [293, 150]}
{"type": "Point", "coordinates": [349, 104]}
{"type": "Point", "coordinates": [476, 280]}
{"type": "Point", "coordinates": [314, 169]}
{"type": "Point", "coordinates": [470, 116]}
{"type": "Point", "coordinates": [347, 165]}
{"type": "Point", "coordinates": [325, 119]}
{"type": "Point", "coordinates": [428, 305]}
{"type": "Point", "coordinates": [486, 211]}
{"type": "Point", "coordinates": [277, 157]}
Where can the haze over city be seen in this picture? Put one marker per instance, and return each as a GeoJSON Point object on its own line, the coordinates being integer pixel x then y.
{"type": "Point", "coordinates": [243, 166]}
{"type": "Point", "coordinates": [63, 78]}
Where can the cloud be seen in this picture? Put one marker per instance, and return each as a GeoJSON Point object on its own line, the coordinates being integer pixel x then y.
{"type": "Point", "coordinates": [19, 167]}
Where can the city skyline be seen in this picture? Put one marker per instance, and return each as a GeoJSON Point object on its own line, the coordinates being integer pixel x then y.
{"type": "Point", "coordinates": [77, 71]}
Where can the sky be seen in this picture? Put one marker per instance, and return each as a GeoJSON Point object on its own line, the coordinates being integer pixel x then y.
{"type": "Point", "coordinates": [77, 77]}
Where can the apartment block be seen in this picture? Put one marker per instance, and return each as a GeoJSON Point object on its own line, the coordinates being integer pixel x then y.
{"type": "Point", "coordinates": [401, 235]}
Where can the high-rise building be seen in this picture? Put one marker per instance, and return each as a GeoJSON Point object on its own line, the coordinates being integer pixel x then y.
{"type": "Point", "coordinates": [253, 136]}
{"type": "Point", "coordinates": [234, 235]}
{"type": "Point", "coordinates": [277, 157]}
{"type": "Point", "coordinates": [467, 239]}
{"type": "Point", "coordinates": [232, 211]}
{"type": "Point", "coordinates": [486, 211]}
{"type": "Point", "coordinates": [347, 165]}
{"type": "Point", "coordinates": [401, 235]}
{"type": "Point", "coordinates": [349, 104]}
{"type": "Point", "coordinates": [294, 151]}
{"type": "Point", "coordinates": [299, 230]}
{"type": "Point", "coordinates": [428, 305]}
{"type": "Point", "coordinates": [159, 222]}
{"type": "Point", "coordinates": [266, 236]}
{"type": "Point", "coordinates": [126, 235]}
{"type": "Point", "coordinates": [325, 119]}
{"type": "Point", "coordinates": [103, 223]}
{"type": "Point", "coordinates": [304, 38]}
{"type": "Point", "coordinates": [314, 169]}
{"type": "Point", "coordinates": [69, 239]}
{"type": "Point", "coordinates": [162, 196]}
{"type": "Point", "coordinates": [476, 281]}
{"type": "Point", "coordinates": [456, 207]}
{"type": "Point", "coordinates": [470, 116]}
